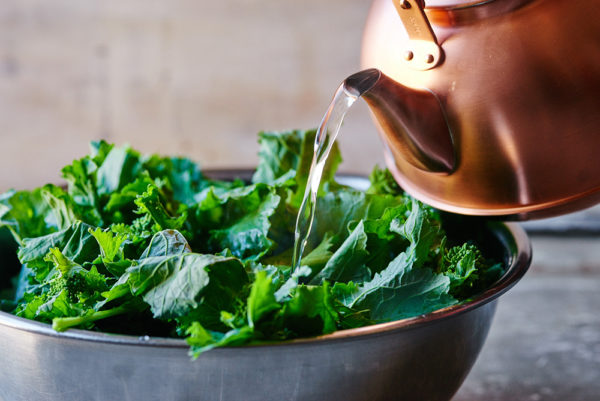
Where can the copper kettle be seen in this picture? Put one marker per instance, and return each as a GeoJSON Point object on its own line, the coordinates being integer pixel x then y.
{"type": "Point", "coordinates": [488, 107]}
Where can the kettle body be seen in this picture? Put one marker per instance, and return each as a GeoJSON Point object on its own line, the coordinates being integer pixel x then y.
{"type": "Point", "coordinates": [518, 82]}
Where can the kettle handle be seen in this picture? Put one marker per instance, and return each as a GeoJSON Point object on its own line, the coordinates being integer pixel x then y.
{"type": "Point", "coordinates": [423, 51]}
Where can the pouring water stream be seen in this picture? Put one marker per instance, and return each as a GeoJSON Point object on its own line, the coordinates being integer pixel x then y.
{"type": "Point", "coordinates": [346, 95]}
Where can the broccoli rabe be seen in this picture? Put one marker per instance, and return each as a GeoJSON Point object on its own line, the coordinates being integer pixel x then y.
{"type": "Point", "coordinates": [73, 285]}
{"type": "Point", "coordinates": [80, 285]}
{"type": "Point", "coordinates": [150, 246]}
{"type": "Point", "coordinates": [468, 270]}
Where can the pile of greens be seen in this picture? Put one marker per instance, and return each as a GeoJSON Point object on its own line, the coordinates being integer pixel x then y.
{"type": "Point", "coordinates": [149, 245]}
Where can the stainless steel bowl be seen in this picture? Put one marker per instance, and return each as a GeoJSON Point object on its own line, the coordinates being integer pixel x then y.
{"type": "Point", "coordinates": [422, 358]}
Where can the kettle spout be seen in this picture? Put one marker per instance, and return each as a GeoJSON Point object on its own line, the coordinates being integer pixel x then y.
{"type": "Point", "coordinates": [412, 122]}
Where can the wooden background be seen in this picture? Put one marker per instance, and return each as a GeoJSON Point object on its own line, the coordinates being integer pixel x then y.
{"type": "Point", "coordinates": [191, 77]}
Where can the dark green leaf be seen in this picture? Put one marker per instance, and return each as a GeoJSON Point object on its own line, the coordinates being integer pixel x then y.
{"type": "Point", "coordinates": [383, 183]}
{"type": "Point", "coordinates": [80, 175]}
{"type": "Point", "coordinates": [337, 209]}
{"type": "Point", "coordinates": [74, 242]}
{"type": "Point", "coordinates": [239, 220]}
{"type": "Point", "coordinates": [150, 203]}
{"type": "Point", "coordinates": [127, 195]}
{"type": "Point", "coordinates": [347, 263]}
{"type": "Point", "coordinates": [285, 155]}
{"type": "Point", "coordinates": [26, 214]}
{"type": "Point", "coordinates": [182, 175]}
{"type": "Point", "coordinates": [416, 292]}
{"type": "Point", "coordinates": [174, 285]}
{"type": "Point", "coordinates": [310, 311]}
{"type": "Point", "coordinates": [119, 168]}
{"type": "Point", "coordinates": [261, 302]}
{"type": "Point", "coordinates": [165, 243]}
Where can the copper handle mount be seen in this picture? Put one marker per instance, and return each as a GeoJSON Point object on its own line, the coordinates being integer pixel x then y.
{"type": "Point", "coordinates": [422, 51]}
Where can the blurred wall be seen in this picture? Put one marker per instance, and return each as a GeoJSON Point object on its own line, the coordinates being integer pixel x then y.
{"type": "Point", "coordinates": [191, 77]}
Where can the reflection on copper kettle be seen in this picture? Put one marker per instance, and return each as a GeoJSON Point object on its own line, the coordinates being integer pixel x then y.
{"type": "Point", "coordinates": [490, 107]}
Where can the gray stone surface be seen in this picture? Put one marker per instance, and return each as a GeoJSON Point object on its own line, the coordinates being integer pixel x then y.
{"type": "Point", "coordinates": [585, 222]}
{"type": "Point", "coordinates": [566, 254]}
{"type": "Point", "coordinates": [544, 343]}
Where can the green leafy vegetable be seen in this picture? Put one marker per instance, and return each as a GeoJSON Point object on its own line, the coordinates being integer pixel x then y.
{"type": "Point", "coordinates": [261, 301]}
{"type": "Point", "coordinates": [239, 220]}
{"type": "Point", "coordinates": [26, 214]}
{"type": "Point", "coordinates": [173, 285]}
{"type": "Point", "coordinates": [149, 245]}
{"type": "Point", "coordinates": [347, 263]}
{"type": "Point", "coordinates": [287, 156]}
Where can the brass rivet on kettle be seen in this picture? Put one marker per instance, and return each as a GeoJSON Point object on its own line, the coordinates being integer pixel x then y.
{"type": "Point", "coordinates": [408, 55]}
{"type": "Point", "coordinates": [421, 38]}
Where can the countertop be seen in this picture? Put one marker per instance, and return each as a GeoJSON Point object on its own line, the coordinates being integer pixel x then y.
{"type": "Point", "coordinates": [544, 343]}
